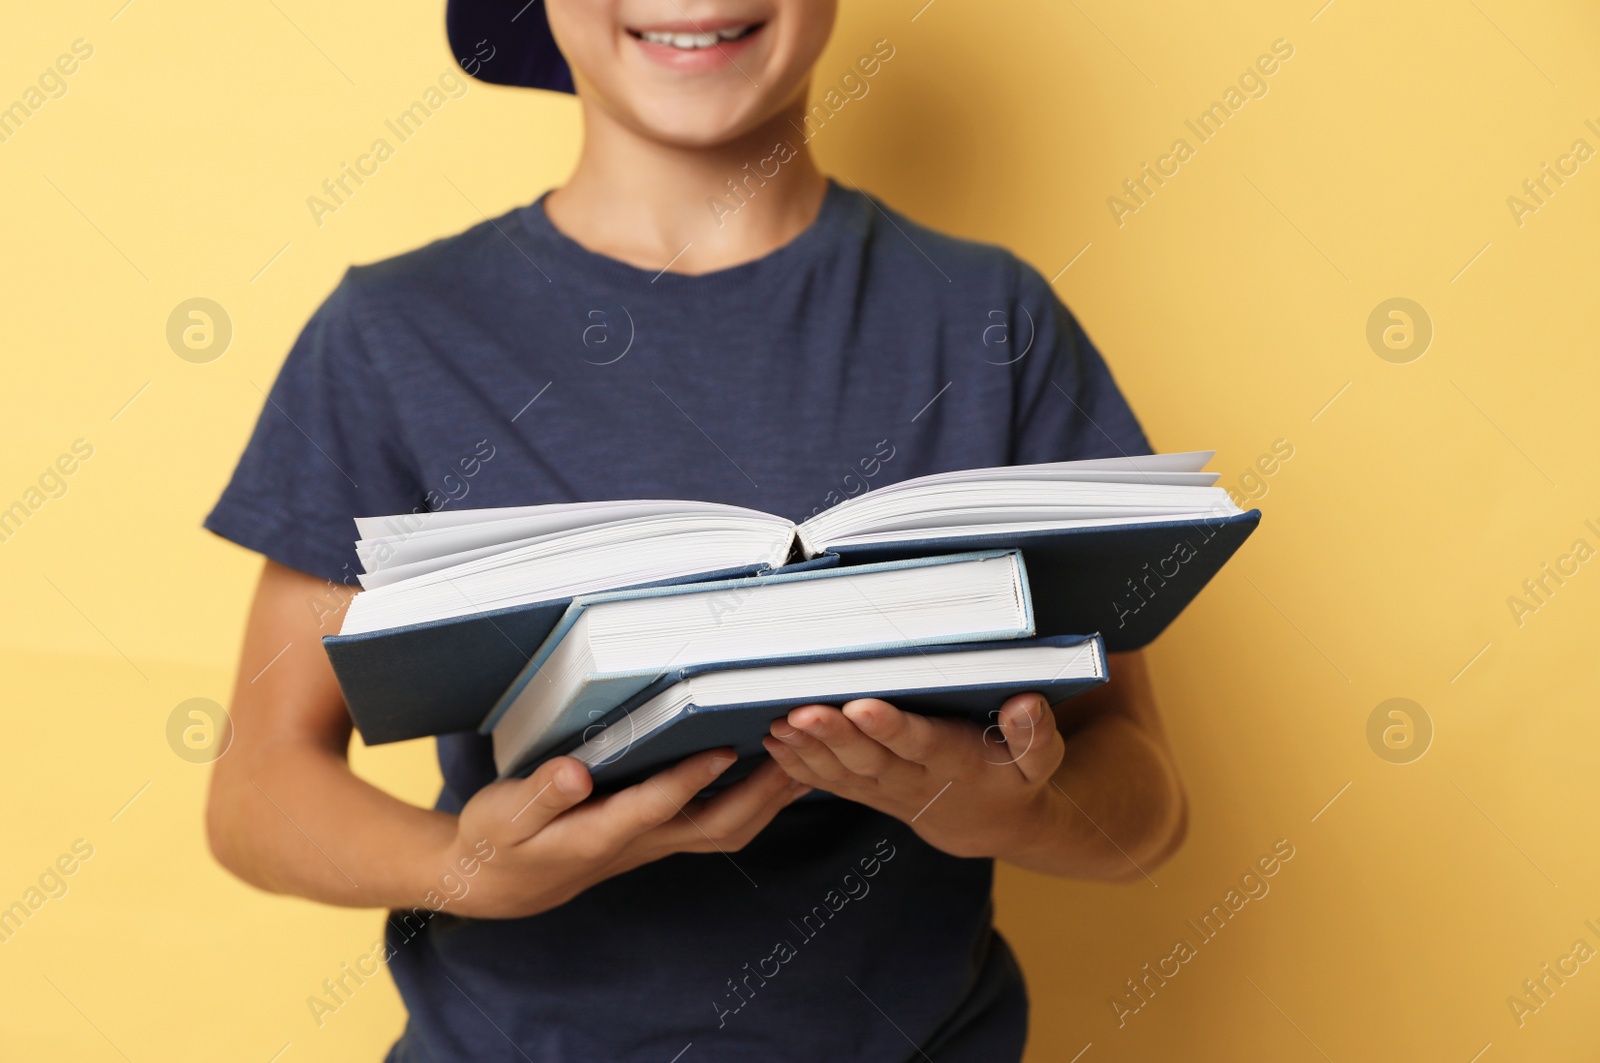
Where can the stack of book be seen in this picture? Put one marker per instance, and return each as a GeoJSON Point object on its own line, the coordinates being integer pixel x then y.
{"type": "Point", "coordinates": [630, 634]}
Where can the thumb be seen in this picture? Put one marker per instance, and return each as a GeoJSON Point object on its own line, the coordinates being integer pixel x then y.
{"type": "Point", "coordinates": [1031, 736]}
{"type": "Point", "coordinates": [514, 810]}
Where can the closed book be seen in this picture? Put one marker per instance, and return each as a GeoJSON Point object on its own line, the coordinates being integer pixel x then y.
{"type": "Point", "coordinates": [610, 646]}
{"type": "Point", "coordinates": [734, 703]}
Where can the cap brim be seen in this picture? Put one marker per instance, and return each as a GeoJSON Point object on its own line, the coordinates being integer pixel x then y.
{"type": "Point", "coordinates": [506, 42]}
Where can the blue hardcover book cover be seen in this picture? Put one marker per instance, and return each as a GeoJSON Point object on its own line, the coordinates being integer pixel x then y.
{"type": "Point", "coordinates": [600, 693]}
{"type": "Point", "coordinates": [625, 746]}
{"type": "Point", "coordinates": [1127, 582]}
{"type": "Point", "coordinates": [444, 676]}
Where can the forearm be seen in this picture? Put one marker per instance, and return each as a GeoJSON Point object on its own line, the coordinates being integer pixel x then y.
{"type": "Point", "coordinates": [1117, 808]}
{"type": "Point", "coordinates": [286, 813]}
{"type": "Point", "coordinates": [291, 817]}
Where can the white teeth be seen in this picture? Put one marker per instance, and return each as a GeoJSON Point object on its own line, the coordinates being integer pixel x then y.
{"type": "Point", "coordinates": [693, 41]}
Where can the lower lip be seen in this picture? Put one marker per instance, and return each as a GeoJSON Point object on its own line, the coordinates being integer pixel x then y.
{"type": "Point", "coordinates": [698, 60]}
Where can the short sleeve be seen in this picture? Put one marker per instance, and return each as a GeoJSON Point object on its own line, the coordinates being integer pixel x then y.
{"type": "Point", "coordinates": [324, 451]}
{"type": "Point", "coordinates": [1067, 406]}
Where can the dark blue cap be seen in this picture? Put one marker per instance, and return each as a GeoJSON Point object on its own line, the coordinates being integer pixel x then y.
{"type": "Point", "coordinates": [506, 42]}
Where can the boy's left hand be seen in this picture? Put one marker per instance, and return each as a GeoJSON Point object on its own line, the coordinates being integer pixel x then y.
{"type": "Point", "coordinates": [965, 789]}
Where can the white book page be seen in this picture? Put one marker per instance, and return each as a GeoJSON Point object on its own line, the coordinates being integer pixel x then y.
{"type": "Point", "coordinates": [1014, 528]}
{"type": "Point", "coordinates": [383, 575]}
{"type": "Point", "coordinates": [1139, 468]}
{"type": "Point", "coordinates": [555, 516]}
{"type": "Point", "coordinates": [515, 526]}
{"type": "Point", "coordinates": [1152, 480]}
{"type": "Point", "coordinates": [618, 554]}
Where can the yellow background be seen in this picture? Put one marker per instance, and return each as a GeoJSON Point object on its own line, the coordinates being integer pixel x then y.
{"type": "Point", "coordinates": [1232, 306]}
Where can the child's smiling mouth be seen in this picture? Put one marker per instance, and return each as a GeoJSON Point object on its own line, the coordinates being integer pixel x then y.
{"type": "Point", "coordinates": [697, 39]}
{"type": "Point", "coordinates": [693, 45]}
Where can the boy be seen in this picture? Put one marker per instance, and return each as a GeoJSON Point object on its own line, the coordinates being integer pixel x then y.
{"type": "Point", "coordinates": [622, 337]}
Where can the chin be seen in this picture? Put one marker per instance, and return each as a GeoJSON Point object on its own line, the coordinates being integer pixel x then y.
{"type": "Point", "coordinates": [697, 124]}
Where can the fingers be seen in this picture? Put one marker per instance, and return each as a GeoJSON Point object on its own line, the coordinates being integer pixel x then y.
{"type": "Point", "coordinates": [873, 738]}
{"type": "Point", "coordinates": [626, 814]}
{"type": "Point", "coordinates": [905, 734]}
{"type": "Point", "coordinates": [728, 821]}
{"type": "Point", "coordinates": [840, 732]}
{"type": "Point", "coordinates": [1032, 741]}
{"type": "Point", "coordinates": [528, 805]}
{"type": "Point", "coordinates": [806, 756]}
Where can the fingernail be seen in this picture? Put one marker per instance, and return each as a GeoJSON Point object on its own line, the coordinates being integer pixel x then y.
{"type": "Point", "coordinates": [781, 734]}
{"type": "Point", "coordinates": [568, 782]}
{"type": "Point", "coordinates": [865, 719]}
{"type": "Point", "coordinates": [721, 764]}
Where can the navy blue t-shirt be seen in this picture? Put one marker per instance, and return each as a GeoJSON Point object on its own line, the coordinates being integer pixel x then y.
{"type": "Point", "coordinates": [509, 366]}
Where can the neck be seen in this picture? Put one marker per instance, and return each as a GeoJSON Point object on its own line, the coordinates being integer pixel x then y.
{"type": "Point", "coordinates": [652, 205]}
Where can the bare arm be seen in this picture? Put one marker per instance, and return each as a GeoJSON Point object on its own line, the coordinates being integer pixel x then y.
{"type": "Point", "coordinates": [1088, 790]}
{"type": "Point", "coordinates": [1129, 809]}
{"type": "Point", "coordinates": [287, 814]}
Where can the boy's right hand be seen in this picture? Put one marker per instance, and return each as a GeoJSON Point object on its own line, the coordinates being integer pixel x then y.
{"type": "Point", "coordinates": [549, 844]}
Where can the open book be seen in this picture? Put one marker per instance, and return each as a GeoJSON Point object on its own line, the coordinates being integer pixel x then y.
{"type": "Point", "coordinates": [456, 603]}
{"type": "Point", "coordinates": [434, 566]}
